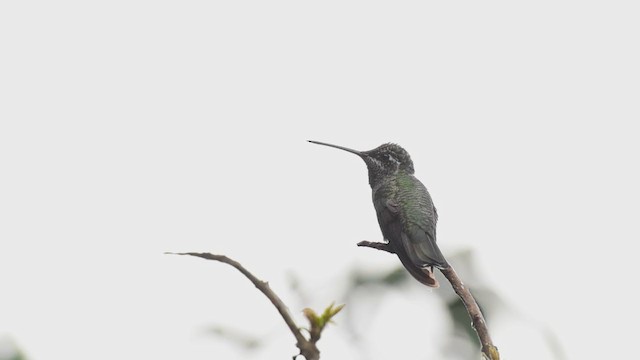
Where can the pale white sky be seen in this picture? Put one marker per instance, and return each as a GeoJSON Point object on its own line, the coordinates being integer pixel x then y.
{"type": "Point", "coordinates": [130, 128]}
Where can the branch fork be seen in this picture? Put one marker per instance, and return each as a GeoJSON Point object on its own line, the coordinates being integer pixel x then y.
{"type": "Point", "coordinates": [307, 347]}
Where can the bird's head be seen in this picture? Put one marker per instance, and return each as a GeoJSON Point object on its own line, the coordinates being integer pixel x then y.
{"type": "Point", "coordinates": [385, 160]}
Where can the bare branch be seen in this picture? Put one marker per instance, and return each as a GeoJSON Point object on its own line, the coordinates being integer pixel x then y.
{"type": "Point", "coordinates": [377, 245]}
{"type": "Point", "coordinates": [489, 351]}
{"type": "Point", "coordinates": [308, 349]}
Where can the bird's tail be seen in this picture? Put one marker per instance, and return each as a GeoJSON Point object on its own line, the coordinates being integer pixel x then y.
{"type": "Point", "coordinates": [424, 275]}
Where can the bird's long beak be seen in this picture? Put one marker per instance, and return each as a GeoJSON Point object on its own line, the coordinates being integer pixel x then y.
{"type": "Point", "coordinates": [359, 153]}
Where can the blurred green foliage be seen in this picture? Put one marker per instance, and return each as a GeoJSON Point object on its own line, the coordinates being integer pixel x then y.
{"type": "Point", "coordinates": [9, 350]}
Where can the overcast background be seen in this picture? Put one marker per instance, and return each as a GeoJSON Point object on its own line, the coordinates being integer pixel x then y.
{"type": "Point", "coordinates": [131, 128]}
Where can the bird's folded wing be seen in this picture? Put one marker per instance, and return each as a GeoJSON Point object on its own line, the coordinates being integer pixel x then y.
{"type": "Point", "coordinates": [421, 248]}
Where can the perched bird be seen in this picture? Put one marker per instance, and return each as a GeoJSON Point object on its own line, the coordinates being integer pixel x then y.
{"type": "Point", "coordinates": [405, 211]}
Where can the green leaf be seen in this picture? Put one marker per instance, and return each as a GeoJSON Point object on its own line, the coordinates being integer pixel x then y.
{"type": "Point", "coordinates": [330, 312]}
{"type": "Point", "coordinates": [319, 322]}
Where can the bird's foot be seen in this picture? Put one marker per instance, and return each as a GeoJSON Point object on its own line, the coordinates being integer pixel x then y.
{"type": "Point", "coordinates": [377, 245]}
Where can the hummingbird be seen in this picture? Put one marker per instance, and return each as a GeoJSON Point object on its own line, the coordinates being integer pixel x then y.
{"type": "Point", "coordinates": [405, 211]}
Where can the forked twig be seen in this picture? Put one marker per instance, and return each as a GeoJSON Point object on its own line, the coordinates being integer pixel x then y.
{"type": "Point", "coordinates": [308, 348]}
